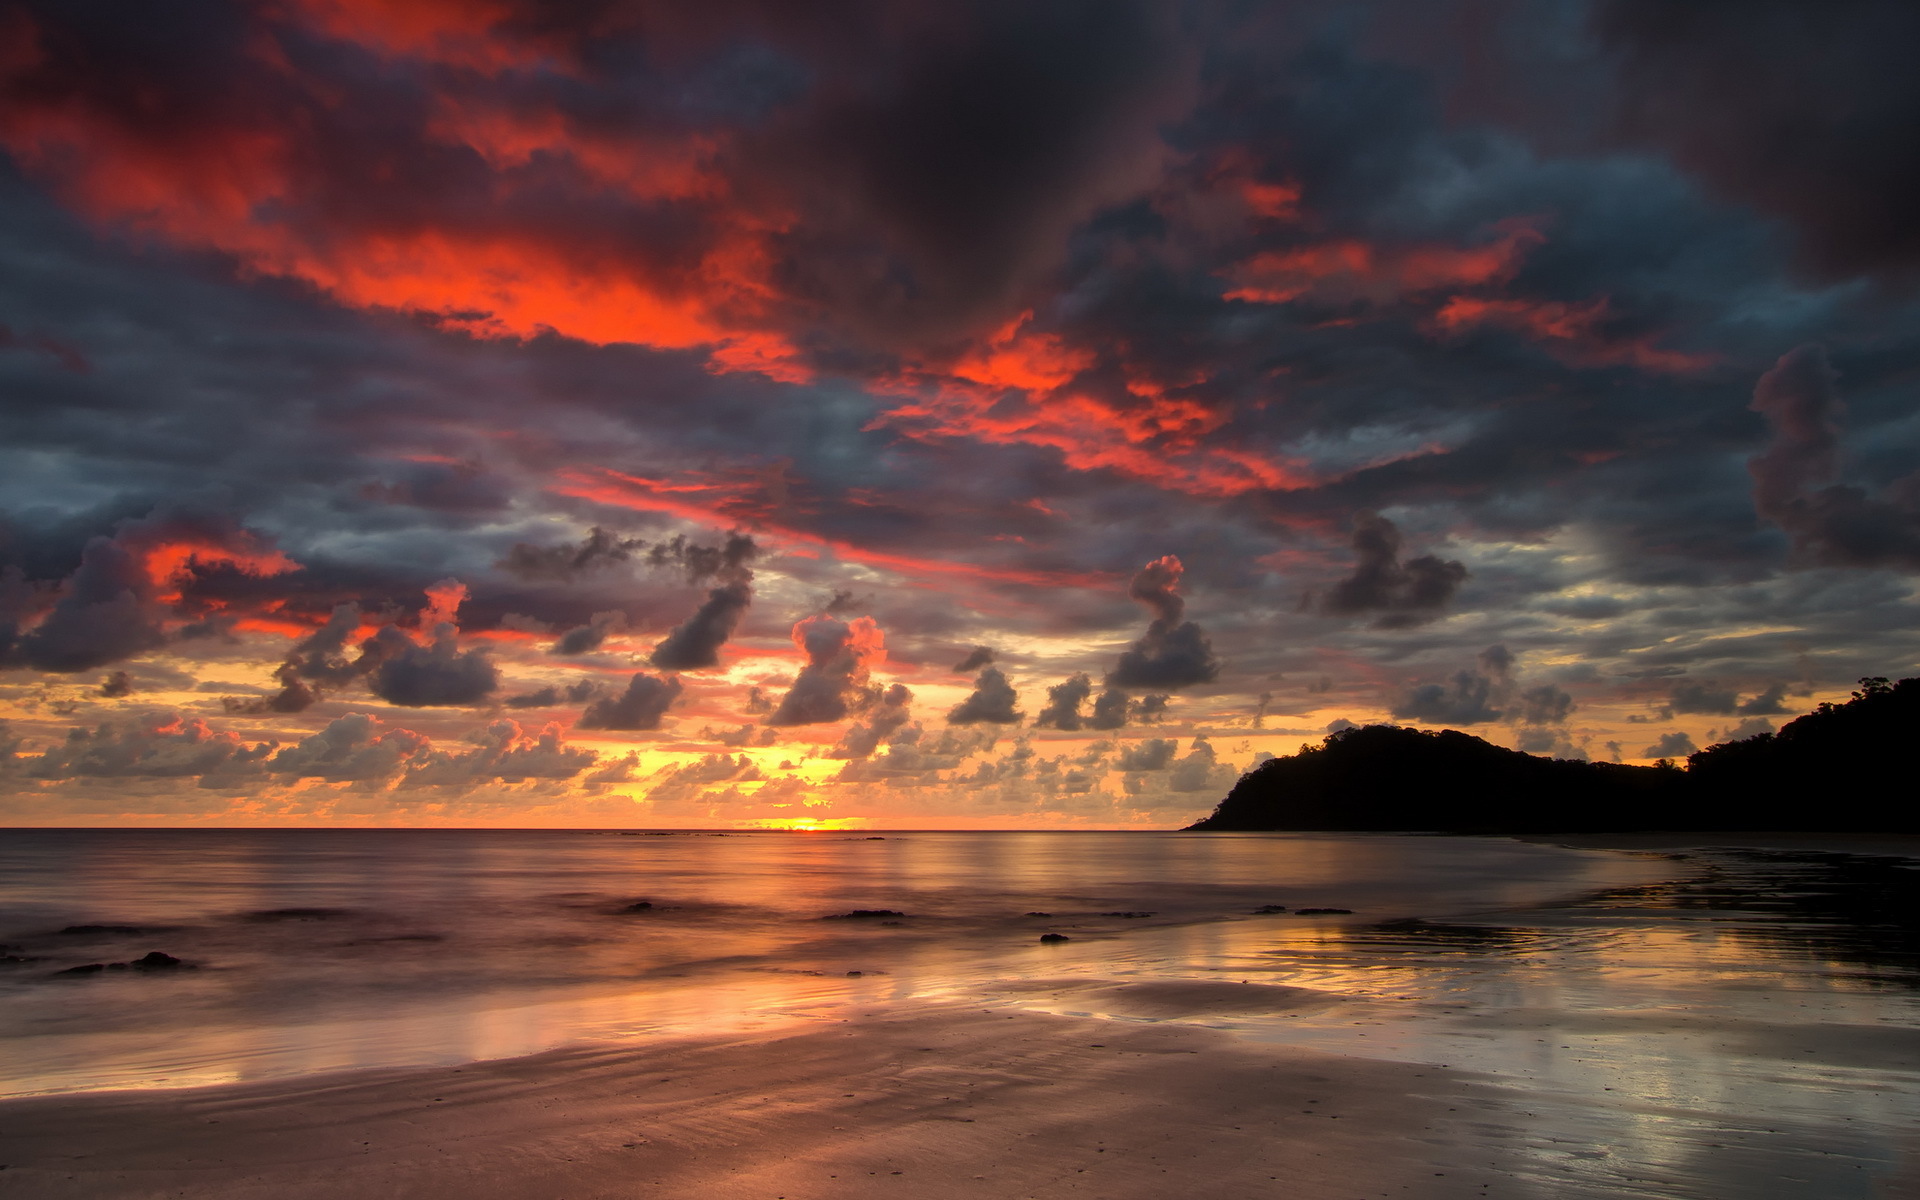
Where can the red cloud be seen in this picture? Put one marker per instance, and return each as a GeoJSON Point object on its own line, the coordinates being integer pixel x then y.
{"type": "Point", "coordinates": [1574, 333]}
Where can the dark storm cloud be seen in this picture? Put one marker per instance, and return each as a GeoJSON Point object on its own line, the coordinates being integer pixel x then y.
{"type": "Point", "coordinates": [1063, 704]}
{"type": "Point", "coordinates": [1831, 524]}
{"type": "Point", "coordinates": [993, 701]}
{"type": "Point", "coordinates": [1805, 112]}
{"type": "Point", "coordinates": [116, 685]}
{"type": "Point", "coordinates": [945, 170]}
{"type": "Point", "coordinates": [1172, 653]}
{"type": "Point", "coordinates": [1405, 594]}
{"type": "Point", "coordinates": [834, 679]}
{"type": "Point", "coordinates": [600, 548]}
{"type": "Point", "coordinates": [641, 707]}
{"type": "Point", "coordinates": [975, 658]}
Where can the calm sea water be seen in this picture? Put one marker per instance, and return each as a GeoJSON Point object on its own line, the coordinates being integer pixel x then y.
{"type": "Point", "coordinates": [1730, 1024]}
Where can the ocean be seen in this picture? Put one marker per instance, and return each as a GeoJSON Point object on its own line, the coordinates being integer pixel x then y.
{"type": "Point", "coordinates": [1700, 1018]}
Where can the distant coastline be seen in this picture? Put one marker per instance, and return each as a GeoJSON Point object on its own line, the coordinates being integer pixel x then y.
{"type": "Point", "coordinates": [1843, 768]}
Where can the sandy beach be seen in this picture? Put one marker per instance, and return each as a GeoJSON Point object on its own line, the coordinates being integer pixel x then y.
{"type": "Point", "coordinates": [910, 1101]}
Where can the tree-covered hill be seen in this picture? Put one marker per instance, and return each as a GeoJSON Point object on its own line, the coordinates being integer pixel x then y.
{"type": "Point", "coordinates": [1843, 767]}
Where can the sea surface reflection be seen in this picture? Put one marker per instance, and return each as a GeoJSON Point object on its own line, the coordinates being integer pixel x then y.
{"type": "Point", "coordinates": [1725, 1023]}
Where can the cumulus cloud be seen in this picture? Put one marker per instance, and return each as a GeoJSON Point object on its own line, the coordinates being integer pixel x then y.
{"type": "Point", "coordinates": [1153, 754]}
{"type": "Point", "coordinates": [356, 747]}
{"type": "Point", "coordinates": [1405, 594]}
{"type": "Point", "coordinates": [166, 746]}
{"type": "Point", "coordinates": [993, 701]}
{"type": "Point", "coordinates": [1200, 771]}
{"type": "Point", "coordinates": [1700, 696]}
{"type": "Point", "coordinates": [547, 697]}
{"type": "Point", "coordinates": [1063, 704]}
{"type": "Point", "coordinates": [585, 639]}
{"type": "Point", "coordinates": [1751, 727]}
{"type": "Point", "coordinates": [1766, 703]}
{"type": "Point", "coordinates": [316, 662]}
{"type": "Point", "coordinates": [1172, 653]}
{"type": "Point", "coordinates": [975, 658]}
{"type": "Point", "coordinates": [695, 643]}
{"type": "Point", "coordinates": [503, 753]}
{"type": "Point", "coordinates": [1671, 745]}
{"type": "Point", "coordinates": [1831, 524]}
{"type": "Point", "coordinates": [600, 548]}
{"type": "Point", "coordinates": [116, 685]}
{"type": "Point", "coordinates": [105, 613]}
{"type": "Point", "coordinates": [834, 680]}
{"type": "Point", "coordinates": [744, 735]}
{"type": "Point", "coordinates": [1469, 698]}
{"type": "Point", "coordinates": [436, 673]}
{"type": "Point", "coordinates": [1111, 709]}
{"type": "Point", "coordinates": [640, 707]}
{"type": "Point", "coordinates": [726, 562]}
{"type": "Point", "coordinates": [1544, 704]}
{"type": "Point", "coordinates": [123, 598]}
{"type": "Point", "coordinates": [881, 722]}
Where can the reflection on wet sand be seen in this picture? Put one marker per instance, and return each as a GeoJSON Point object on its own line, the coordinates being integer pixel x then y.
{"type": "Point", "coordinates": [1751, 1028]}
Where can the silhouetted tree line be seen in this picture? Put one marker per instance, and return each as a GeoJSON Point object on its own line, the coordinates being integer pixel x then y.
{"type": "Point", "coordinates": [1842, 767]}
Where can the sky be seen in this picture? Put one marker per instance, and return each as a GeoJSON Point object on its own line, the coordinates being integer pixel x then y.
{"type": "Point", "coordinates": [962, 414]}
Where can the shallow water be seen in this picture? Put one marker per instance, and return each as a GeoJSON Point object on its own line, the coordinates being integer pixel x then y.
{"type": "Point", "coordinates": [329, 949]}
{"type": "Point", "coordinates": [1722, 1025]}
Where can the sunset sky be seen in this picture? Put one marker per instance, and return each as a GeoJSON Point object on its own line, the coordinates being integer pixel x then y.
{"type": "Point", "coordinates": [932, 414]}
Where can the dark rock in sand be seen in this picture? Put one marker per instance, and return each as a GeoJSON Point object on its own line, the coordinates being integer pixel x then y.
{"type": "Point", "coordinates": [1267, 910]}
{"type": "Point", "coordinates": [1322, 912]}
{"type": "Point", "coordinates": [1055, 937]}
{"type": "Point", "coordinates": [153, 960]}
{"type": "Point", "coordinates": [864, 914]}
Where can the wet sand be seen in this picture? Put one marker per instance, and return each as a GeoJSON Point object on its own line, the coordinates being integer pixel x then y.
{"type": "Point", "coordinates": [910, 1101]}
